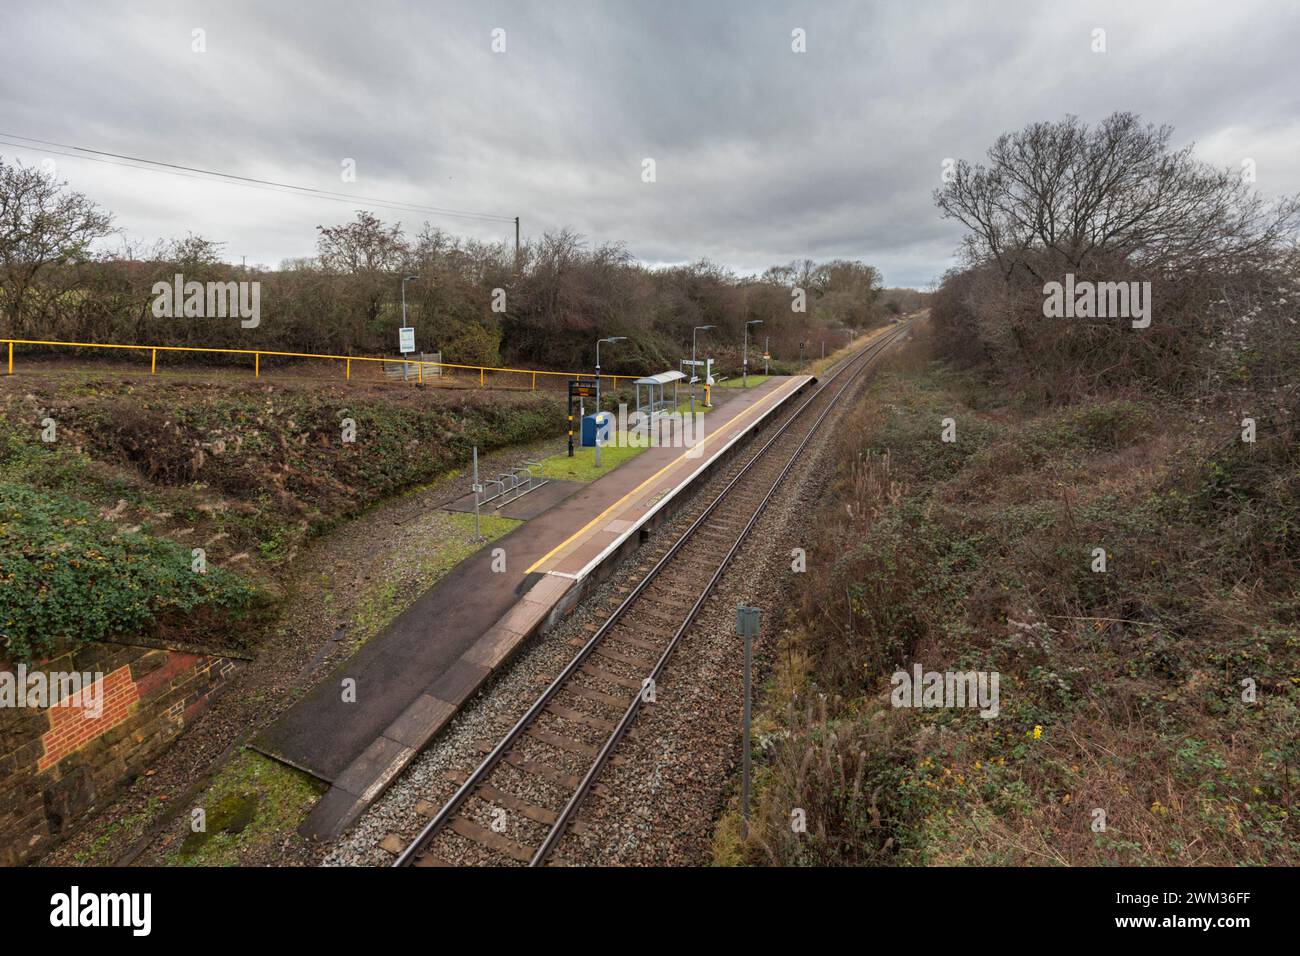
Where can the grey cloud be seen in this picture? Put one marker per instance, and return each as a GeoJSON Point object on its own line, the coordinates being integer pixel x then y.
{"type": "Point", "coordinates": [763, 155]}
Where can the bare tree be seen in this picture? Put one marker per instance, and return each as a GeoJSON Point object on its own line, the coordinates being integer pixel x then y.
{"type": "Point", "coordinates": [1115, 203]}
{"type": "Point", "coordinates": [195, 252]}
{"type": "Point", "coordinates": [363, 245]}
{"type": "Point", "coordinates": [1115, 191]}
{"type": "Point", "coordinates": [41, 227]}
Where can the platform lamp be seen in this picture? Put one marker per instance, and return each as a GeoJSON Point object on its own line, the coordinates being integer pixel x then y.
{"type": "Point", "coordinates": [744, 365]}
{"type": "Point", "coordinates": [608, 341]}
{"type": "Point", "coordinates": [405, 280]}
{"type": "Point", "coordinates": [694, 332]}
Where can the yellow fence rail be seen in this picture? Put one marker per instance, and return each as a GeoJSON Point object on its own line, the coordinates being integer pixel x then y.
{"type": "Point", "coordinates": [347, 360]}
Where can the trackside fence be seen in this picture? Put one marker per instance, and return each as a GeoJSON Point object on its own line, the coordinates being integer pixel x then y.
{"type": "Point", "coordinates": [365, 367]}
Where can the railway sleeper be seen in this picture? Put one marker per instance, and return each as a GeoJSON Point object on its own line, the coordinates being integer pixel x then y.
{"type": "Point", "coordinates": [596, 696]}
{"type": "Point", "coordinates": [637, 662]}
{"type": "Point", "coordinates": [484, 837]}
{"type": "Point", "coordinates": [657, 618]}
{"type": "Point", "coordinates": [599, 673]}
{"type": "Point", "coordinates": [637, 642]}
{"type": "Point", "coordinates": [672, 603]}
{"type": "Point", "coordinates": [561, 742]}
{"type": "Point", "coordinates": [578, 717]}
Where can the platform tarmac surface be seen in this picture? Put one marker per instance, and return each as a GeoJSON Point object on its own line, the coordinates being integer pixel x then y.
{"type": "Point", "coordinates": [413, 676]}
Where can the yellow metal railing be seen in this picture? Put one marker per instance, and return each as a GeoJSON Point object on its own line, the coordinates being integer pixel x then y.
{"type": "Point", "coordinates": [346, 359]}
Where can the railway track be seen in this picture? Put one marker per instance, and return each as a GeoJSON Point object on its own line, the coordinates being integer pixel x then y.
{"type": "Point", "coordinates": [570, 732]}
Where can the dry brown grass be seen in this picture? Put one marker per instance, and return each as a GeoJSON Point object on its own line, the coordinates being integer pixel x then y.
{"type": "Point", "coordinates": [1120, 692]}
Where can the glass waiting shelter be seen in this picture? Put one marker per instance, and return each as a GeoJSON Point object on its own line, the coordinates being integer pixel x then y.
{"type": "Point", "coordinates": [654, 398]}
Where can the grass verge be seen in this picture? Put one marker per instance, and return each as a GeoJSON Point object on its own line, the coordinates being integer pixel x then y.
{"type": "Point", "coordinates": [582, 466]}
{"type": "Point", "coordinates": [737, 382]}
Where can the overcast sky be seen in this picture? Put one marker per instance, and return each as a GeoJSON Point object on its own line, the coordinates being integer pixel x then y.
{"type": "Point", "coordinates": [762, 154]}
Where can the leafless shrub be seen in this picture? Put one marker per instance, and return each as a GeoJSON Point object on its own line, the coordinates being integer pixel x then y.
{"type": "Point", "coordinates": [1115, 204]}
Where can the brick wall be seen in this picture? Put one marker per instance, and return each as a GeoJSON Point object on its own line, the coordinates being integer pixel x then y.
{"type": "Point", "coordinates": [72, 727]}
{"type": "Point", "coordinates": [59, 763]}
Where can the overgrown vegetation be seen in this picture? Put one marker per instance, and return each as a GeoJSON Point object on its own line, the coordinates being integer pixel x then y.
{"type": "Point", "coordinates": [1115, 203]}
{"type": "Point", "coordinates": [1119, 691]}
{"type": "Point", "coordinates": [70, 575]}
{"type": "Point", "coordinates": [1149, 707]}
{"type": "Point", "coordinates": [253, 802]}
{"type": "Point", "coordinates": [98, 527]}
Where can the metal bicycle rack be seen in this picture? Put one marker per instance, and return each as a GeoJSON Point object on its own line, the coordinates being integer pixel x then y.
{"type": "Point", "coordinates": [514, 484]}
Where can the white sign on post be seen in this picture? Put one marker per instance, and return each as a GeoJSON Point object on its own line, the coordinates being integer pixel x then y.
{"type": "Point", "coordinates": [406, 340]}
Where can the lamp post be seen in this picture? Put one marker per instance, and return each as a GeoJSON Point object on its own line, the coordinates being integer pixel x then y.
{"type": "Point", "coordinates": [744, 364]}
{"type": "Point", "coordinates": [698, 329]}
{"type": "Point", "coordinates": [610, 341]}
{"type": "Point", "coordinates": [405, 279]}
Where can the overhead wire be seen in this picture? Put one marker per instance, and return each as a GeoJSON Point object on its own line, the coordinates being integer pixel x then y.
{"type": "Point", "coordinates": [207, 175]}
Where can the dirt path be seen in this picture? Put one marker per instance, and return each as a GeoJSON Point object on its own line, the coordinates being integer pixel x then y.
{"type": "Point", "coordinates": [341, 589]}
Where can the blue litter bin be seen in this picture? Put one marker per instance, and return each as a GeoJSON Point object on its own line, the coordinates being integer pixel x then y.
{"type": "Point", "coordinates": [597, 421]}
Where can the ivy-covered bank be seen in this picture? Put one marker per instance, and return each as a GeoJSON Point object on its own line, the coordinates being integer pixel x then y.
{"type": "Point", "coordinates": [163, 508]}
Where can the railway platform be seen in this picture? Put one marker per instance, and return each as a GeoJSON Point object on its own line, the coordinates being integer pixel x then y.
{"type": "Point", "coordinates": [413, 677]}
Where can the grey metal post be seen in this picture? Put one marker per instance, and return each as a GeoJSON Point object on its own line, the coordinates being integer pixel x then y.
{"type": "Point", "coordinates": [767, 342]}
{"type": "Point", "coordinates": [747, 619]}
{"type": "Point", "coordinates": [744, 362]}
{"type": "Point", "coordinates": [478, 489]}
{"type": "Point", "coordinates": [694, 332]}
{"type": "Point", "coordinates": [744, 795]}
{"type": "Point", "coordinates": [611, 340]}
{"type": "Point", "coordinates": [406, 366]}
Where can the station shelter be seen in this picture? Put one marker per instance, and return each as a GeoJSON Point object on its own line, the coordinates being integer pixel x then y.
{"type": "Point", "coordinates": [654, 399]}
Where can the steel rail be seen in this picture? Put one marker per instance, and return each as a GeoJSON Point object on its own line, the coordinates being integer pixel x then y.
{"type": "Point", "coordinates": [494, 757]}
{"type": "Point", "coordinates": [561, 823]}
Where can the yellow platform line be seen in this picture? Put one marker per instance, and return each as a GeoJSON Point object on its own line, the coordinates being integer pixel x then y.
{"type": "Point", "coordinates": [655, 477]}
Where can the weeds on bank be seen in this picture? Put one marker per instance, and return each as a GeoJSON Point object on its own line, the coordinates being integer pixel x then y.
{"type": "Point", "coordinates": [101, 512]}
{"type": "Point", "coordinates": [1122, 694]}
